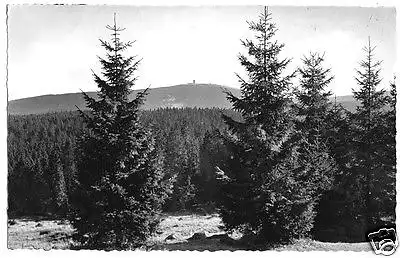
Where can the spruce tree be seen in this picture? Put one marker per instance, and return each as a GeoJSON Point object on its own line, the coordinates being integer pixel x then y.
{"type": "Point", "coordinates": [367, 136]}
{"type": "Point", "coordinates": [320, 122]}
{"type": "Point", "coordinates": [268, 188]}
{"type": "Point", "coordinates": [387, 203]}
{"type": "Point", "coordinates": [212, 154]}
{"type": "Point", "coordinates": [120, 180]}
{"type": "Point", "coordinates": [313, 98]}
{"type": "Point", "coordinates": [391, 120]}
{"type": "Point", "coordinates": [316, 114]}
{"type": "Point", "coordinates": [57, 183]}
{"type": "Point", "coordinates": [182, 165]}
{"type": "Point", "coordinates": [69, 166]}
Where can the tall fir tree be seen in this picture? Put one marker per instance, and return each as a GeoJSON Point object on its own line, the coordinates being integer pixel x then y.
{"type": "Point", "coordinates": [69, 166]}
{"type": "Point", "coordinates": [268, 188]}
{"type": "Point", "coordinates": [368, 138]}
{"type": "Point", "coordinates": [182, 158]}
{"type": "Point", "coordinates": [313, 98]}
{"type": "Point", "coordinates": [387, 197]}
{"type": "Point", "coordinates": [57, 183]}
{"type": "Point", "coordinates": [320, 122]}
{"type": "Point", "coordinates": [212, 154]}
{"type": "Point", "coordinates": [391, 121]}
{"type": "Point", "coordinates": [316, 116]}
{"type": "Point", "coordinates": [121, 186]}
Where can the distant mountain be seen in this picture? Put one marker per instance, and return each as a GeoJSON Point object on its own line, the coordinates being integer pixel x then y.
{"type": "Point", "coordinates": [185, 95]}
{"type": "Point", "coordinates": [347, 102]}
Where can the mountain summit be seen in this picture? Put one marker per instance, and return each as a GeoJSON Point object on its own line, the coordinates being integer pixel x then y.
{"type": "Point", "coordinates": [184, 95]}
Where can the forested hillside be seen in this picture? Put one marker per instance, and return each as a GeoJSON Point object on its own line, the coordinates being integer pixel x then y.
{"type": "Point", "coordinates": [42, 166]}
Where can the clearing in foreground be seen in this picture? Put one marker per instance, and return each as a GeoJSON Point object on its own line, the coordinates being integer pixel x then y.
{"type": "Point", "coordinates": [176, 232]}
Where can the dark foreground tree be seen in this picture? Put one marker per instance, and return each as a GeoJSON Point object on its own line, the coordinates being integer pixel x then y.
{"type": "Point", "coordinates": [313, 98]}
{"type": "Point", "coordinates": [213, 153]}
{"type": "Point", "coordinates": [371, 168]}
{"type": "Point", "coordinates": [182, 157]}
{"type": "Point", "coordinates": [269, 188]}
{"type": "Point", "coordinates": [320, 122]}
{"type": "Point", "coordinates": [57, 181]}
{"type": "Point", "coordinates": [388, 203]}
{"type": "Point", "coordinates": [120, 181]}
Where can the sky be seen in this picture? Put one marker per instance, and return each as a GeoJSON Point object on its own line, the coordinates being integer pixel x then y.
{"type": "Point", "coordinates": [53, 49]}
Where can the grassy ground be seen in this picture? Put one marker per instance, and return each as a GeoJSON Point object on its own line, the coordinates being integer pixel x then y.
{"type": "Point", "coordinates": [176, 232]}
{"type": "Point", "coordinates": [39, 233]}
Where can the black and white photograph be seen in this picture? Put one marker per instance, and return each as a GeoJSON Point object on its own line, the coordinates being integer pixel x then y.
{"type": "Point", "coordinates": [207, 127]}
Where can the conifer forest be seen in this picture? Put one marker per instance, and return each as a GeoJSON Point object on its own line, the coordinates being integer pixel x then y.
{"type": "Point", "coordinates": [286, 162]}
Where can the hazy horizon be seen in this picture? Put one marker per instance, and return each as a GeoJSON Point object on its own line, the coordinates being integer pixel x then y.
{"type": "Point", "coordinates": [52, 49]}
{"type": "Point", "coordinates": [182, 84]}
